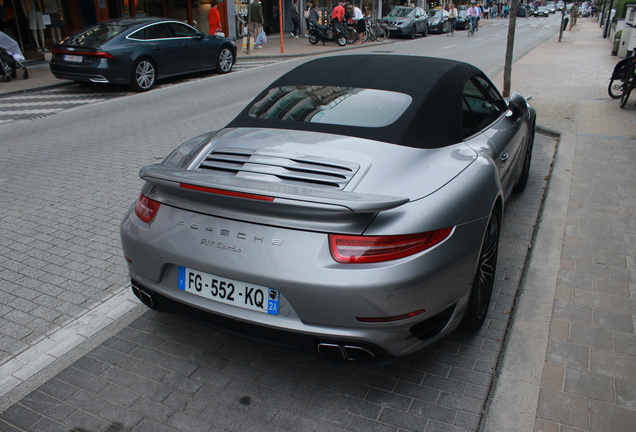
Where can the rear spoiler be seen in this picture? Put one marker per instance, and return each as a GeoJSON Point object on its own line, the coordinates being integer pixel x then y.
{"type": "Point", "coordinates": [313, 198]}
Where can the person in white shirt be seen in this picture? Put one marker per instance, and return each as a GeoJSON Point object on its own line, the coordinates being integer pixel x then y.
{"type": "Point", "coordinates": [452, 17]}
{"type": "Point", "coordinates": [360, 23]}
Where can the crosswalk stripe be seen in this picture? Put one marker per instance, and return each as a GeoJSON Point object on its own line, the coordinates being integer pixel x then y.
{"type": "Point", "coordinates": [52, 100]}
{"type": "Point", "coordinates": [57, 102]}
{"type": "Point", "coordinates": [32, 112]}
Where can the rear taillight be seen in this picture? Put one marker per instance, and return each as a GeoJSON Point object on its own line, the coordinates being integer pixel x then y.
{"type": "Point", "coordinates": [145, 208]}
{"type": "Point", "coordinates": [101, 54]}
{"type": "Point", "coordinates": [373, 249]}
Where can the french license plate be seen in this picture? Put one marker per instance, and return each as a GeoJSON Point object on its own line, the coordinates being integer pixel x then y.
{"type": "Point", "coordinates": [73, 58]}
{"type": "Point", "coordinates": [236, 293]}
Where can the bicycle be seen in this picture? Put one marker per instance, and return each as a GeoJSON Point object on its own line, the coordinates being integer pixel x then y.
{"type": "Point", "coordinates": [621, 74]}
{"type": "Point", "coordinates": [473, 24]}
{"type": "Point", "coordinates": [376, 31]}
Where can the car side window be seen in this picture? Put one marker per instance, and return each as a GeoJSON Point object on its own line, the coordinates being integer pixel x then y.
{"type": "Point", "coordinates": [481, 105]}
{"type": "Point", "coordinates": [139, 35]}
{"type": "Point", "coordinates": [182, 30]}
{"type": "Point", "coordinates": [158, 31]}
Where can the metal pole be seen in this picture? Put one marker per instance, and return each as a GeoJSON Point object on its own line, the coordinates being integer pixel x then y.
{"type": "Point", "coordinates": [607, 22]}
{"type": "Point", "coordinates": [280, 23]}
{"type": "Point", "coordinates": [17, 24]}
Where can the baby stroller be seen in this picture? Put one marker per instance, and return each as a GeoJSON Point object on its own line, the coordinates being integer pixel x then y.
{"type": "Point", "coordinates": [11, 58]}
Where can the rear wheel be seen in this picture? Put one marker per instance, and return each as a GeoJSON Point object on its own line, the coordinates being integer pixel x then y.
{"type": "Point", "coordinates": [485, 278]}
{"type": "Point", "coordinates": [381, 34]}
{"type": "Point", "coordinates": [525, 172]}
{"type": "Point", "coordinates": [313, 39]}
{"type": "Point", "coordinates": [615, 88]}
{"type": "Point", "coordinates": [351, 34]}
{"type": "Point", "coordinates": [144, 75]}
{"type": "Point", "coordinates": [225, 61]}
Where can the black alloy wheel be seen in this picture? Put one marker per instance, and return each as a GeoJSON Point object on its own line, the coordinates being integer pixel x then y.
{"type": "Point", "coordinates": [485, 276]}
{"type": "Point", "coordinates": [525, 172]}
{"type": "Point", "coordinates": [144, 75]}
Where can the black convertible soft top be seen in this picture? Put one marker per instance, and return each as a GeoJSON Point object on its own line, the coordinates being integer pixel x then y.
{"type": "Point", "coordinates": [434, 118]}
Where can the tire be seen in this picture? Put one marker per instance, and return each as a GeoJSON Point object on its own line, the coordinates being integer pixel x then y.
{"type": "Point", "coordinates": [365, 36]}
{"type": "Point", "coordinates": [351, 35]}
{"type": "Point", "coordinates": [381, 34]}
{"type": "Point", "coordinates": [144, 75]}
{"type": "Point", "coordinates": [615, 88]}
{"type": "Point", "coordinates": [6, 78]}
{"type": "Point", "coordinates": [25, 75]}
{"type": "Point", "coordinates": [426, 30]}
{"type": "Point", "coordinates": [485, 276]}
{"type": "Point", "coordinates": [313, 39]}
{"type": "Point", "coordinates": [341, 40]}
{"type": "Point", "coordinates": [413, 32]}
{"type": "Point", "coordinates": [627, 89]}
{"type": "Point", "coordinates": [525, 172]}
{"type": "Point", "coordinates": [225, 61]}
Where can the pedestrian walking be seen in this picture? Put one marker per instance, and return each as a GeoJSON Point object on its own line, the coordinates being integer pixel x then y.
{"type": "Point", "coordinates": [452, 17]}
{"type": "Point", "coordinates": [295, 17]}
{"type": "Point", "coordinates": [255, 22]}
{"type": "Point", "coordinates": [214, 18]}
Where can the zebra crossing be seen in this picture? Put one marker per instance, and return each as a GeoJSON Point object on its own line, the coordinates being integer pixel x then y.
{"type": "Point", "coordinates": [49, 101]}
{"type": "Point", "coordinates": [46, 102]}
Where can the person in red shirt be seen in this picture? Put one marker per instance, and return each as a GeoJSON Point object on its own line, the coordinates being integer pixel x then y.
{"type": "Point", "coordinates": [214, 18]}
{"type": "Point", "coordinates": [337, 16]}
{"type": "Point", "coordinates": [338, 12]}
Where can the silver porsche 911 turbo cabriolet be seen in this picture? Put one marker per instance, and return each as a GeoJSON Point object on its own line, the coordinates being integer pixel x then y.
{"type": "Point", "coordinates": [357, 214]}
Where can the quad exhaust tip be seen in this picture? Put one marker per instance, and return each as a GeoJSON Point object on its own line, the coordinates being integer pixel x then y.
{"type": "Point", "coordinates": [146, 297]}
{"type": "Point", "coordinates": [336, 351]}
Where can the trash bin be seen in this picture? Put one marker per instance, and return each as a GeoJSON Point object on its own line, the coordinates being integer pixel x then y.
{"type": "Point", "coordinates": [566, 20]}
{"type": "Point", "coordinates": [617, 42]}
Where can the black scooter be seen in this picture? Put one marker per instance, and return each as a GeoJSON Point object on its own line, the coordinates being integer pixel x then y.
{"type": "Point", "coordinates": [326, 33]}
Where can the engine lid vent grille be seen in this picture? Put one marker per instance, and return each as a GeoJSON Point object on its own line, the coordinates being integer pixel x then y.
{"type": "Point", "coordinates": [302, 170]}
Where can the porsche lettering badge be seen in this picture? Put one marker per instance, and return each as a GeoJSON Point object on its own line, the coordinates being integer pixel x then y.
{"type": "Point", "coordinates": [227, 233]}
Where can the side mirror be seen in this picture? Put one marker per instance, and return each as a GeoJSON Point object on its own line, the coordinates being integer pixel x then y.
{"type": "Point", "coordinates": [200, 35]}
{"type": "Point", "coordinates": [517, 105]}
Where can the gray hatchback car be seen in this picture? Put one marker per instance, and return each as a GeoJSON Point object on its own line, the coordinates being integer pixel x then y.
{"type": "Point", "coordinates": [352, 214]}
{"type": "Point", "coordinates": [407, 21]}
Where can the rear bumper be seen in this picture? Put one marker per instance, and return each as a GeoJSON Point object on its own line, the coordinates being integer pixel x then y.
{"type": "Point", "coordinates": [326, 346]}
